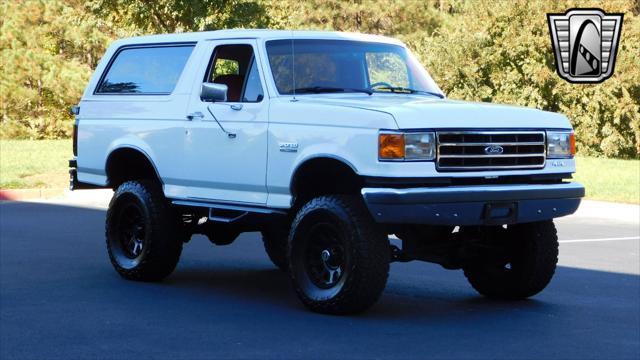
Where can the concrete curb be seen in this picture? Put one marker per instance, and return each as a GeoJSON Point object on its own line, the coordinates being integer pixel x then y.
{"type": "Point", "coordinates": [98, 198]}
{"type": "Point", "coordinates": [29, 194]}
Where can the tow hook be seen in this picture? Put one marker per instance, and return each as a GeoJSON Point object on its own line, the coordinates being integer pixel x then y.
{"type": "Point", "coordinates": [397, 255]}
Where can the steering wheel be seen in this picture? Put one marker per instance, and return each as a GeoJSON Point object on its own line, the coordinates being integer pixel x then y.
{"type": "Point", "coordinates": [380, 83]}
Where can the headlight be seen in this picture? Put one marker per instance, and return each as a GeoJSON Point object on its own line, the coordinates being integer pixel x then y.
{"type": "Point", "coordinates": [560, 144]}
{"type": "Point", "coordinates": [397, 146]}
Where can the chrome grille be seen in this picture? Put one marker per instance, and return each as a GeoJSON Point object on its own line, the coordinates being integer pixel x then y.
{"type": "Point", "coordinates": [490, 150]}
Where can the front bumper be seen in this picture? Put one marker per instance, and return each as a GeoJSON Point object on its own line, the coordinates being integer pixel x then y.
{"type": "Point", "coordinates": [473, 205]}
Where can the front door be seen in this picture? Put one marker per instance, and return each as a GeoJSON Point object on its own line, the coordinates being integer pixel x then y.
{"type": "Point", "coordinates": [226, 160]}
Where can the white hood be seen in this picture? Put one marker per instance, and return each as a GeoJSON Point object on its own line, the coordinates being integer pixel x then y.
{"type": "Point", "coordinates": [420, 112]}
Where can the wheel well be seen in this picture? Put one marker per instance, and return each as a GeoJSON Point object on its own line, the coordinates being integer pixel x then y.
{"type": "Point", "coordinates": [322, 176]}
{"type": "Point", "coordinates": [128, 164]}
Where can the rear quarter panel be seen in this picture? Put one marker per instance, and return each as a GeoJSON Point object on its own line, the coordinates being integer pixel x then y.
{"type": "Point", "coordinates": [153, 124]}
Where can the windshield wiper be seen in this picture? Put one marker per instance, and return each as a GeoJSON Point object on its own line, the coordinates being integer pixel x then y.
{"type": "Point", "coordinates": [328, 89]}
{"type": "Point", "coordinates": [400, 89]}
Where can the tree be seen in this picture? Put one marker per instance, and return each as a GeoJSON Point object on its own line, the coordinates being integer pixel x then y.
{"type": "Point", "coordinates": [479, 50]}
{"type": "Point", "coordinates": [48, 49]}
{"type": "Point", "coordinates": [503, 55]}
{"type": "Point", "coordinates": [387, 17]}
{"type": "Point", "coordinates": [169, 16]}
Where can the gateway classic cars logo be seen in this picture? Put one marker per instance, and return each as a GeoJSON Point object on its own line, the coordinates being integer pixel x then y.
{"type": "Point", "coordinates": [585, 42]}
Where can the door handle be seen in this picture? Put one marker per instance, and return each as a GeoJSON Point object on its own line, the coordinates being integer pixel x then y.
{"type": "Point", "coordinates": [194, 115]}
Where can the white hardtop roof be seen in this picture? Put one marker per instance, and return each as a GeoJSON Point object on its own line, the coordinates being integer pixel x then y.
{"type": "Point", "coordinates": [254, 34]}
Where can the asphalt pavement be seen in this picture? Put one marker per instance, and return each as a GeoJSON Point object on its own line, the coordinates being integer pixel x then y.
{"type": "Point", "coordinates": [60, 299]}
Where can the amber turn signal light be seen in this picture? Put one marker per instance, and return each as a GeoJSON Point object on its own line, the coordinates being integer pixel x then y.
{"type": "Point", "coordinates": [572, 143]}
{"type": "Point", "coordinates": [391, 146]}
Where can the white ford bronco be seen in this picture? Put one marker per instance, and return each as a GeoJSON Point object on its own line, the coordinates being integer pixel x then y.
{"type": "Point", "coordinates": [326, 143]}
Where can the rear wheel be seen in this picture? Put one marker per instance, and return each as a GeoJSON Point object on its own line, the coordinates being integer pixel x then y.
{"type": "Point", "coordinates": [531, 255]}
{"type": "Point", "coordinates": [143, 238]}
{"type": "Point", "coordinates": [339, 259]}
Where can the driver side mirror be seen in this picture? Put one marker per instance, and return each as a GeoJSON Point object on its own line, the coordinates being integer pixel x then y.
{"type": "Point", "coordinates": [212, 92]}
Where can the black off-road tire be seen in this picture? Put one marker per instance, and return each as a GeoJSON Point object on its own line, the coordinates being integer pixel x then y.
{"type": "Point", "coordinates": [276, 244]}
{"type": "Point", "coordinates": [533, 255]}
{"type": "Point", "coordinates": [157, 231]}
{"type": "Point", "coordinates": [365, 254]}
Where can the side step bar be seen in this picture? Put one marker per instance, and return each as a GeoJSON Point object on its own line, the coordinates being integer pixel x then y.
{"type": "Point", "coordinates": [226, 216]}
{"type": "Point", "coordinates": [228, 213]}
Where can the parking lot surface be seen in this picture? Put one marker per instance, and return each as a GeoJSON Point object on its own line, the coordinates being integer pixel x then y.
{"type": "Point", "coordinates": [60, 299]}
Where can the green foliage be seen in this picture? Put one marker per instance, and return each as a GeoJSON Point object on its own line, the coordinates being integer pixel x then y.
{"type": "Point", "coordinates": [226, 67]}
{"type": "Point", "coordinates": [387, 17]}
{"type": "Point", "coordinates": [48, 49]}
{"type": "Point", "coordinates": [479, 50]}
{"type": "Point", "coordinates": [503, 55]}
{"type": "Point", "coordinates": [169, 16]}
{"type": "Point", "coordinates": [500, 51]}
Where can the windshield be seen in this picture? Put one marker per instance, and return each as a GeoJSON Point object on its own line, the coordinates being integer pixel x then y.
{"type": "Point", "coordinates": [346, 66]}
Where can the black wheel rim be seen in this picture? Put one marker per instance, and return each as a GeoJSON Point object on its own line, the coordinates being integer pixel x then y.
{"type": "Point", "coordinates": [128, 232]}
{"type": "Point", "coordinates": [131, 232]}
{"type": "Point", "coordinates": [324, 256]}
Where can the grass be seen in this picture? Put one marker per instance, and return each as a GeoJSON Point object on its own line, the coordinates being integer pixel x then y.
{"type": "Point", "coordinates": [609, 179]}
{"type": "Point", "coordinates": [34, 164]}
{"type": "Point", "coordinates": [43, 164]}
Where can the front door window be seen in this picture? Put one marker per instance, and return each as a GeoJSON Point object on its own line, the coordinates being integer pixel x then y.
{"type": "Point", "coordinates": [235, 66]}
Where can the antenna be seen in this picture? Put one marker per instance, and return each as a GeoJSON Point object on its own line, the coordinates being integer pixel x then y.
{"type": "Point", "coordinates": [293, 66]}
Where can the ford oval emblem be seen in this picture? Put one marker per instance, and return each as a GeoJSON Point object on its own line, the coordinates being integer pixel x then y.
{"type": "Point", "coordinates": [494, 150]}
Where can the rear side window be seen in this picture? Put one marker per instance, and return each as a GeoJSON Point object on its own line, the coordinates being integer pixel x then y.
{"type": "Point", "coordinates": [145, 70]}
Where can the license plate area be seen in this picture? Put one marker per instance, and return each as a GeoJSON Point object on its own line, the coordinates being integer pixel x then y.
{"type": "Point", "coordinates": [500, 213]}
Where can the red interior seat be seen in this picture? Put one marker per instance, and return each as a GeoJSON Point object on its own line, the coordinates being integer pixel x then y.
{"type": "Point", "coordinates": [234, 82]}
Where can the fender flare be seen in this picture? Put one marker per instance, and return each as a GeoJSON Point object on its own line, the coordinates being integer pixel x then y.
{"type": "Point", "coordinates": [136, 149]}
{"type": "Point", "coordinates": [315, 157]}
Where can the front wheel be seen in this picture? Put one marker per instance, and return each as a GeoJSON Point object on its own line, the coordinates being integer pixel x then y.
{"type": "Point", "coordinates": [531, 256]}
{"type": "Point", "coordinates": [339, 259]}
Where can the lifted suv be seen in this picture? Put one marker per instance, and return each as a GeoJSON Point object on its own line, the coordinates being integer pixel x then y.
{"type": "Point", "coordinates": [326, 143]}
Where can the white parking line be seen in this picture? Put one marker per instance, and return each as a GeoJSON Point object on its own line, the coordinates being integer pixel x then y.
{"type": "Point", "coordinates": [601, 239]}
{"type": "Point", "coordinates": [576, 240]}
